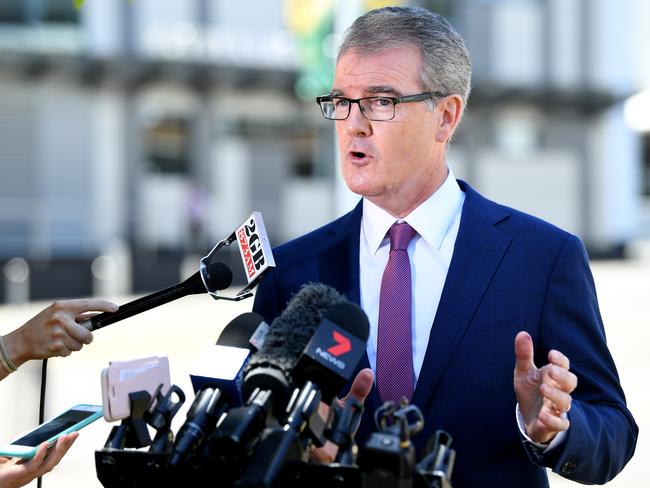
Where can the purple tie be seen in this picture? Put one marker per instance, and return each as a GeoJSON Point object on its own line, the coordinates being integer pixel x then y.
{"type": "Point", "coordinates": [394, 344]}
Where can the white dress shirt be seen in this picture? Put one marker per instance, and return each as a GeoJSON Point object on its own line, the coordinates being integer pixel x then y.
{"type": "Point", "coordinates": [436, 222]}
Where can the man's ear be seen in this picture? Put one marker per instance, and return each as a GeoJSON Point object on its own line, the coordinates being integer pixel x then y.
{"type": "Point", "coordinates": [450, 109]}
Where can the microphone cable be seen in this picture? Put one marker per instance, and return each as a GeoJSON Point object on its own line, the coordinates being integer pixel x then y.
{"type": "Point", "coordinates": [41, 408]}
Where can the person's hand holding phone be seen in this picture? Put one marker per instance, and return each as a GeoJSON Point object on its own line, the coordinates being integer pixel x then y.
{"type": "Point", "coordinates": [15, 472]}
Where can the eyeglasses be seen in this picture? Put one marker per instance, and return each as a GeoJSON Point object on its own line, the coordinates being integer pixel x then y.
{"type": "Point", "coordinates": [372, 108]}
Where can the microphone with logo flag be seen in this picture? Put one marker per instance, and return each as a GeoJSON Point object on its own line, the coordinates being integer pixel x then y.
{"type": "Point", "coordinates": [216, 379]}
{"type": "Point", "coordinates": [213, 275]}
{"type": "Point", "coordinates": [324, 367]}
{"type": "Point", "coordinates": [266, 381]}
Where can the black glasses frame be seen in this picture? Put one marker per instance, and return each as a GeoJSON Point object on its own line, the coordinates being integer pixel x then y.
{"type": "Point", "coordinates": [395, 100]}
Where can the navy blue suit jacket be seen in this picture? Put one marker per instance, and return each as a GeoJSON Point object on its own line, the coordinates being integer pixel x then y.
{"type": "Point", "coordinates": [509, 272]}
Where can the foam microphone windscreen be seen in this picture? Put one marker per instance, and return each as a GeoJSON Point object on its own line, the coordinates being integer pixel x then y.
{"type": "Point", "coordinates": [293, 328]}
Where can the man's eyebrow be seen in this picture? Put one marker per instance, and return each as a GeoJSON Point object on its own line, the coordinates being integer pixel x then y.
{"type": "Point", "coordinates": [383, 89]}
{"type": "Point", "coordinates": [371, 89]}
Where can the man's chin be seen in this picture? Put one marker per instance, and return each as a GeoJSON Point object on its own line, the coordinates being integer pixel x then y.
{"type": "Point", "coordinates": [360, 186]}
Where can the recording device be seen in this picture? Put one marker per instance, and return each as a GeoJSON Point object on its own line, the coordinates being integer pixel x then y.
{"type": "Point", "coordinates": [335, 349]}
{"type": "Point", "coordinates": [324, 367]}
{"type": "Point", "coordinates": [222, 365]}
{"type": "Point", "coordinates": [201, 420]}
{"type": "Point", "coordinates": [310, 351]}
{"type": "Point", "coordinates": [267, 383]}
{"type": "Point", "coordinates": [272, 365]}
{"type": "Point", "coordinates": [160, 418]}
{"type": "Point", "coordinates": [436, 467]}
{"type": "Point", "coordinates": [216, 378]}
{"type": "Point", "coordinates": [138, 392]}
{"type": "Point", "coordinates": [388, 458]}
{"type": "Point", "coordinates": [71, 420]}
{"type": "Point", "coordinates": [344, 422]}
{"type": "Point", "coordinates": [246, 330]}
{"type": "Point", "coordinates": [121, 378]}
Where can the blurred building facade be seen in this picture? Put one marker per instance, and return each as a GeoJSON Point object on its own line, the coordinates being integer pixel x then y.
{"type": "Point", "coordinates": [133, 133]}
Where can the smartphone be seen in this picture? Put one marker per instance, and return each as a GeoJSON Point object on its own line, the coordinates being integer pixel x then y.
{"type": "Point", "coordinates": [69, 421]}
{"type": "Point", "coordinates": [124, 377]}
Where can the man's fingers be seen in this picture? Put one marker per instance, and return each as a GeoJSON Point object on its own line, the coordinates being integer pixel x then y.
{"type": "Point", "coordinates": [326, 454]}
{"type": "Point", "coordinates": [361, 385]}
{"type": "Point", "coordinates": [559, 359]}
{"type": "Point", "coordinates": [564, 379]}
{"type": "Point", "coordinates": [523, 352]}
{"type": "Point", "coordinates": [560, 400]}
{"type": "Point", "coordinates": [552, 422]}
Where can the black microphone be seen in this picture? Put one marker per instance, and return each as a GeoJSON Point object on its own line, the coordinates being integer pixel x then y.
{"type": "Point", "coordinates": [218, 276]}
{"type": "Point", "coordinates": [332, 354]}
{"type": "Point", "coordinates": [247, 330]}
{"type": "Point", "coordinates": [216, 379]}
{"type": "Point", "coordinates": [201, 420]}
{"type": "Point", "coordinates": [326, 364]}
{"type": "Point", "coordinates": [266, 381]}
{"type": "Point", "coordinates": [286, 339]}
{"type": "Point", "coordinates": [222, 364]}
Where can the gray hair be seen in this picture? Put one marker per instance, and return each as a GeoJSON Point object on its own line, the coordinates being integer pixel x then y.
{"type": "Point", "coordinates": [446, 64]}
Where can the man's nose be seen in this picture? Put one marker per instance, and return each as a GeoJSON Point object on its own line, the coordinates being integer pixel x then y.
{"type": "Point", "coordinates": [357, 124]}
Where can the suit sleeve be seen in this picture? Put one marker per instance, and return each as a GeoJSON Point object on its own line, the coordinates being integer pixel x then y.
{"type": "Point", "coordinates": [602, 436]}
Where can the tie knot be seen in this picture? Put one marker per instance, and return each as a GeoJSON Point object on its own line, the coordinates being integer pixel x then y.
{"type": "Point", "coordinates": [400, 235]}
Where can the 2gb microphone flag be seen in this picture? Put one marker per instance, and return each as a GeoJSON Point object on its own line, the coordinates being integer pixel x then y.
{"type": "Point", "coordinates": [254, 250]}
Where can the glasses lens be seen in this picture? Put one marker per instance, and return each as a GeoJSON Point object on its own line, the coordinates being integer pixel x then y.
{"type": "Point", "coordinates": [378, 108]}
{"type": "Point", "coordinates": [334, 108]}
{"type": "Point", "coordinates": [327, 107]}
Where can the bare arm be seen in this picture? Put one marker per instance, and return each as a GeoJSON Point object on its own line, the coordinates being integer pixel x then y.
{"type": "Point", "coordinates": [53, 332]}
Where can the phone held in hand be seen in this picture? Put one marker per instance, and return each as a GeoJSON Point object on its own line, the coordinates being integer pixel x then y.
{"type": "Point", "coordinates": [69, 421]}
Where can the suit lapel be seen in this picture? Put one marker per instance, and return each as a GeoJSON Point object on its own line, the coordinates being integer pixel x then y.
{"type": "Point", "coordinates": [339, 268]}
{"type": "Point", "coordinates": [477, 253]}
{"type": "Point", "coordinates": [339, 261]}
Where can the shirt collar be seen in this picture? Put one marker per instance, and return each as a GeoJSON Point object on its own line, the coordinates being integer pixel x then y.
{"type": "Point", "coordinates": [431, 220]}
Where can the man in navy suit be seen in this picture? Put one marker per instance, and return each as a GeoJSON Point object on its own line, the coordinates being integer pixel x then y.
{"type": "Point", "coordinates": [491, 287]}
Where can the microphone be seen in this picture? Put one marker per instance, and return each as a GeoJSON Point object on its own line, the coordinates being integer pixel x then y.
{"type": "Point", "coordinates": [216, 277]}
{"type": "Point", "coordinates": [216, 378]}
{"type": "Point", "coordinates": [247, 330]}
{"type": "Point", "coordinates": [266, 383]}
{"type": "Point", "coordinates": [287, 337]}
{"type": "Point", "coordinates": [332, 354]}
{"type": "Point", "coordinates": [324, 367]}
{"type": "Point", "coordinates": [201, 420]}
{"type": "Point", "coordinates": [221, 365]}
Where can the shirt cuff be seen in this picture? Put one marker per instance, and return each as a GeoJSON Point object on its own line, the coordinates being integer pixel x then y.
{"type": "Point", "coordinates": [556, 441]}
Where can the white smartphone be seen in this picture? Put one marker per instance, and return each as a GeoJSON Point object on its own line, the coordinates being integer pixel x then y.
{"type": "Point", "coordinates": [69, 421]}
